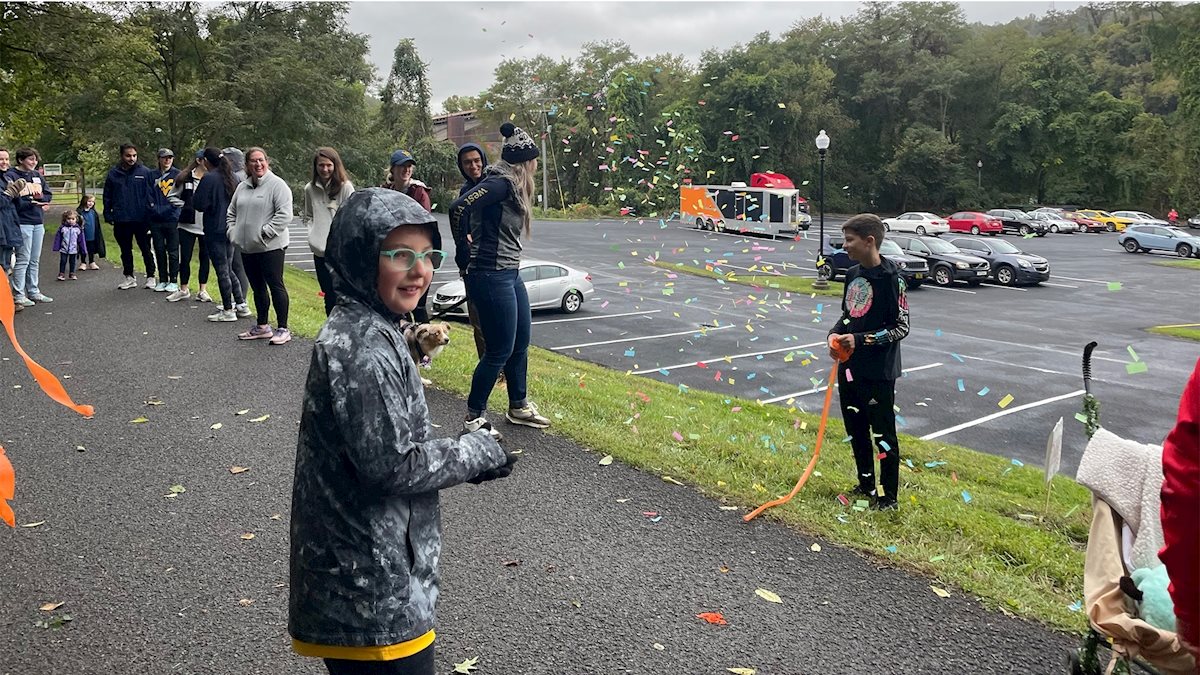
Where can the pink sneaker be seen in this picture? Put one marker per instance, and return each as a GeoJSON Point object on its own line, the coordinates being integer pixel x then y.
{"type": "Point", "coordinates": [257, 333]}
{"type": "Point", "coordinates": [282, 336]}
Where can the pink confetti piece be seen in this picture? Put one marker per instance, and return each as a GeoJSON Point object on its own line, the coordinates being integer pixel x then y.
{"type": "Point", "coordinates": [678, 436]}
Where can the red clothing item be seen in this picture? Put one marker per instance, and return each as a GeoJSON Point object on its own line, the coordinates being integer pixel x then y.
{"type": "Point", "coordinates": [1181, 513]}
{"type": "Point", "coordinates": [416, 190]}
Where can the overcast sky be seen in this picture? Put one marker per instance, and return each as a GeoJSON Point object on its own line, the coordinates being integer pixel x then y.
{"type": "Point", "coordinates": [463, 42]}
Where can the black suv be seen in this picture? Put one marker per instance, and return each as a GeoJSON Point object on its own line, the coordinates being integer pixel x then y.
{"type": "Point", "coordinates": [1019, 222]}
{"type": "Point", "coordinates": [837, 262]}
{"type": "Point", "coordinates": [947, 263]}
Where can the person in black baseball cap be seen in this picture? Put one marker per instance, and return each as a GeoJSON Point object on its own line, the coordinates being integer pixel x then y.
{"type": "Point", "coordinates": [497, 210]}
{"type": "Point", "coordinates": [400, 178]}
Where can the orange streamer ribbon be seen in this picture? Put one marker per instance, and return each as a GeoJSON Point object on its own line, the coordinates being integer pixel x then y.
{"type": "Point", "coordinates": [49, 384]}
{"type": "Point", "coordinates": [842, 354]}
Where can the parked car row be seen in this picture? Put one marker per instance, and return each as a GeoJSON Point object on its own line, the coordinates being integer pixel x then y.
{"type": "Point", "coordinates": [945, 261]}
{"type": "Point", "coordinates": [1040, 222]}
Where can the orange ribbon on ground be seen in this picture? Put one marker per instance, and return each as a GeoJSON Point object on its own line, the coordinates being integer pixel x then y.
{"type": "Point", "coordinates": [842, 354]}
{"type": "Point", "coordinates": [45, 379]}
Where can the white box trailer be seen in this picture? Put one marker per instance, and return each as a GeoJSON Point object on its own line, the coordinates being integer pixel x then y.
{"type": "Point", "coordinates": [739, 208]}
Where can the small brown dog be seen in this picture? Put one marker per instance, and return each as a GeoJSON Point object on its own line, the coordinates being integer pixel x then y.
{"type": "Point", "coordinates": [425, 341]}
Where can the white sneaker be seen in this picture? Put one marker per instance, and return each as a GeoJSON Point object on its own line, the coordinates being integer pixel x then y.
{"type": "Point", "coordinates": [527, 416]}
{"type": "Point", "coordinates": [481, 423]}
{"type": "Point", "coordinates": [129, 283]}
{"type": "Point", "coordinates": [243, 310]}
{"type": "Point", "coordinates": [203, 296]}
{"type": "Point", "coordinates": [181, 294]}
{"type": "Point", "coordinates": [224, 315]}
{"type": "Point", "coordinates": [150, 283]}
{"type": "Point", "coordinates": [40, 297]}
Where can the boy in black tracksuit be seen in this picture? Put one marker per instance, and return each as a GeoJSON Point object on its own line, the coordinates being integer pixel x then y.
{"type": "Point", "coordinates": [874, 319]}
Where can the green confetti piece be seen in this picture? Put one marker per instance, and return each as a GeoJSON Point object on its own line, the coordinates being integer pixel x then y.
{"type": "Point", "coordinates": [1081, 417]}
{"type": "Point", "coordinates": [1135, 367]}
{"type": "Point", "coordinates": [1114, 285]}
{"type": "Point", "coordinates": [1132, 354]}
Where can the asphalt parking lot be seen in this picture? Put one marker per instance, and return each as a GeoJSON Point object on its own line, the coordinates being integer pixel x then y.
{"type": "Point", "coordinates": [969, 349]}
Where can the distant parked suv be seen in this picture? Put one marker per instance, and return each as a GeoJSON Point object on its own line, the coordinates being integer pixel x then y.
{"type": "Point", "coordinates": [947, 263]}
{"type": "Point", "coordinates": [1145, 238]}
{"type": "Point", "coordinates": [1194, 221]}
{"type": "Point", "coordinates": [1017, 221]}
{"type": "Point", "coordinates": [914, 269]}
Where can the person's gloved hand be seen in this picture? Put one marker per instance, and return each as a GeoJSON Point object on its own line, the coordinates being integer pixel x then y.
{"type": "Point", "coordinates": [501, 471]}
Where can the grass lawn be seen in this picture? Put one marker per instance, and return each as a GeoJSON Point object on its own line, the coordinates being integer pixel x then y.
{"type": "Point", "coordinates": [970, 520]}
{"type": "Point", "coordinates": [1192, 264]}
{"type": "Point", "coordinates": [1185, 332]}
{"type": "Point", "coordinates": [781, 282]}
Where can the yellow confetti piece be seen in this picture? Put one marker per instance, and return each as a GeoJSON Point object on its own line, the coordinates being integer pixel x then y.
{"type": "Point", "coordinates": [941, 592]}
{"type": "Point", "coordinates": [606, 460]}
{"type": "Point", "coordinates": [815, 548]}
{"type": "Point", "coordinates": [1008, 398]}
{"type": "Point", "coordinates": [768, 596]}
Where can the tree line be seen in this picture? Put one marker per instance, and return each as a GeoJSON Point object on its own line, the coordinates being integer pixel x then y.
{"type": "Point", "coordinates": [1098, 106]}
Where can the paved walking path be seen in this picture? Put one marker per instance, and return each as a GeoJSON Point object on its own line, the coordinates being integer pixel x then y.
{"type": "Point", "coordinates": [555, 570]}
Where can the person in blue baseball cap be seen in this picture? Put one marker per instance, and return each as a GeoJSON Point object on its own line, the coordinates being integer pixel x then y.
{"type": "Point", "coordinates": [400, 178]}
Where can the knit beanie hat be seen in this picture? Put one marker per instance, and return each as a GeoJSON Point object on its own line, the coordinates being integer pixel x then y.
{"type": "Point", "coordinates": [518, 145]}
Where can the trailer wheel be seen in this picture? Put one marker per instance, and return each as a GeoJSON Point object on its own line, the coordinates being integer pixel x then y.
{"type": "Point", "coordinates": [700, 223]}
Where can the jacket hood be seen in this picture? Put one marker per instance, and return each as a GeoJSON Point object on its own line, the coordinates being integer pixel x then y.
{"type": "Point", "coordinates": [467, 147]}
{"type": "Point", "coordinates": [355, 235]}
{"type": "Point", "coordinates": [236, 159]}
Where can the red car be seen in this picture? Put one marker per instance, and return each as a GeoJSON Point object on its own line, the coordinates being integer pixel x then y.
{"type": "Point", "coordinates": [975, 223]}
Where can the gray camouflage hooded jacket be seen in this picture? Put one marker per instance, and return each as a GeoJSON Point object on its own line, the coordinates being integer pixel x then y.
{"type": "Point", "coordinates": [365, 521]}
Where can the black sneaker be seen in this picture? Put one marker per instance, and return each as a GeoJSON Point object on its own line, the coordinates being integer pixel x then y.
{"type": "Point", "coordinates": [886, 504]}
{"type": "Point", "coordinates": [861, 492]}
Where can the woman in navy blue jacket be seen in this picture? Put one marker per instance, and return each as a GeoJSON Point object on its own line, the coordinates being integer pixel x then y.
{"type": "Point", "coordinates": [32, 203]}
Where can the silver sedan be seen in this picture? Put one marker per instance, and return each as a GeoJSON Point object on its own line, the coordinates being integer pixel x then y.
{"type": "Point", "coordinates": [550, 285]}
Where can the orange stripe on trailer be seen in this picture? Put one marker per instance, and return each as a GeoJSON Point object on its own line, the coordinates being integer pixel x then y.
{"type": "Point", "coordinates": [696, 201]}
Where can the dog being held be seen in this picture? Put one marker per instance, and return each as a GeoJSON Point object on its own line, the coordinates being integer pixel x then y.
{"type": "Point", "coordinates": [425, 341]}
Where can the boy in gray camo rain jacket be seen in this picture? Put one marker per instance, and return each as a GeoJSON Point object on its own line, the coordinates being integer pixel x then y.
{"type": "Point", "coordinates": [365, 523]}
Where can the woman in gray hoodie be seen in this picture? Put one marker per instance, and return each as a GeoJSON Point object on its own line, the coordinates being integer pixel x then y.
{"type": "Point", "coordinates": [258, 218]}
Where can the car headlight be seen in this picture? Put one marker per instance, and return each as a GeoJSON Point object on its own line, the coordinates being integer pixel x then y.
{"type": "Point", "coordinates": [903, 265]}
{"type": "Point", "coordinates": [961, 265]}
{"type": "Point", "coordinates": [1024, 263]}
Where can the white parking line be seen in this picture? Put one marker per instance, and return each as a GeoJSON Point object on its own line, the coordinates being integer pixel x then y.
{"type": "Point", "coordinates": [997, 415]}
{"type": "Point", "coordinates": [947, 288]}
{"type": "Point", "coordinates": [1008, 288]}
{"type": "Point", "coordinates": [598, 316]}
{"type": "Point", "coordinates": [1047, 283]}
{"type": "Point", "coordinates": [1032, 346]}
{"type": "Point", "coordinates": [815, 390]}
{"type": "Point", "coordinates": [1090, 281]}
{"type": "Point", "coordinates": [689, 364]}
{"type": "Point", "coordinates": [644, 337]}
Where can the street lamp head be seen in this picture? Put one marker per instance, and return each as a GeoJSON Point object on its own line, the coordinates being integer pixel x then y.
{"type": "Point", "coordinates": [979, 164]}
{"type": "Point", "coordinates": [822, 142]}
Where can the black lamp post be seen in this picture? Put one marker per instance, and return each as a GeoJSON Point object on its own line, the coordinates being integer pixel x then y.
{"type": "Point", "coordinates": [979, 165]}
{"type": "Point", "coordinates": [822, 146]}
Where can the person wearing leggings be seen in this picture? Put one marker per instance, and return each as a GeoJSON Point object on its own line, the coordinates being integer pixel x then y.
{"type": "Point", "coordinates": [258, 218]}
{"type": "Point", "coordinates": [191, 231]}
{"type": "Point", "coordinates": [212, 201]}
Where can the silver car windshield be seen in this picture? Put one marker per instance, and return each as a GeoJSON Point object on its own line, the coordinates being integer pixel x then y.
{"type": "Point", "coordinates": [889, 247]}
{"type": "Point", "coordinates": [939, 246]}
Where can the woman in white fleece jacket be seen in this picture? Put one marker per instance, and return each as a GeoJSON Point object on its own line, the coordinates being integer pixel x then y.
{"type": "Point", "coordinates": [258, 218]}
{"type": "Point", "coordinates": [323, 196]}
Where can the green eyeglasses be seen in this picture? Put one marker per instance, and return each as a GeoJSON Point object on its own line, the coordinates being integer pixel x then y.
{"type": "Point", "coordinates": [406, 258]}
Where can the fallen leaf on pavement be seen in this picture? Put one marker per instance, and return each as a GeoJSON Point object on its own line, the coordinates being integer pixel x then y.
{"type": "Point", "coordinates": [248, 536]}
{"type": "Point", "coordinates": [941, 592]}
{"type": "Point", "coordinates": [139, 420]}
{"type": "Point", "coordinates": [260, 419]}
{"type": "Point", "coordinates": [51, 606]}
{"type": "Point", "coordinates": [815, 548]}
{"type": "Point", "coordinates": [714, 618]}
{"type": "Point", "coordinates": [671, 480]}
{"type": "Point", "coordinates": [729, 508]}
{"type": "Point", "coordinates": [768, 596]}
{"type": "Point", "coordinates": [467, 666]}
{"type": "Point", "coordinates": [658, 647]}
{"type": "Point", "coordinates": [741, 671]}
{"type": "Point", "coordinates": [242, 412]}
{"type": "Point", "coordinates": [218, 425]}
{"type": "Point", "coordinates": [245, 602]}
{"type": "Point", "coordinates": [238, 469]}
{"type": "Point", "coordinates": [606, 460]}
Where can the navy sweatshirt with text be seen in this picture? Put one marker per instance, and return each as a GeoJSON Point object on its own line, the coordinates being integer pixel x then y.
{"type": "Point", "coordinates": [875, 312]}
